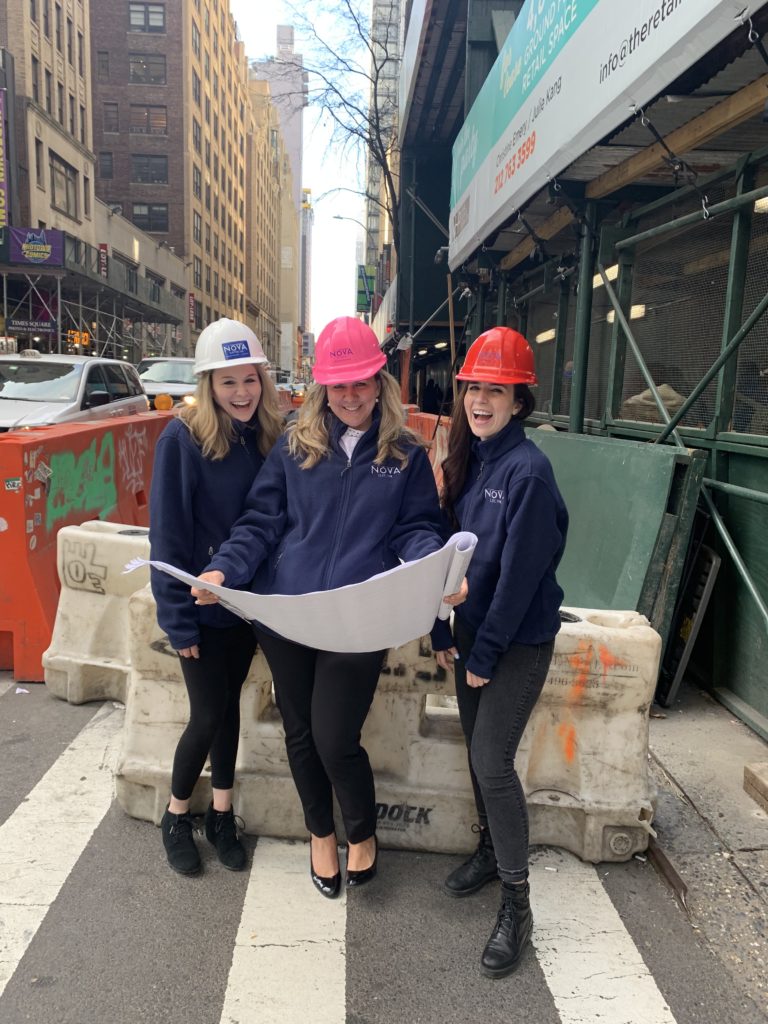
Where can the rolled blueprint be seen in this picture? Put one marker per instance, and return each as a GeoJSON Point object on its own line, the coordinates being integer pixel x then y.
{"type": "Point", "coordinates": [384, 611]}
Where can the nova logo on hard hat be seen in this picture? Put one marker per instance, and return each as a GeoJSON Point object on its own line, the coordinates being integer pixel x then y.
{"type": "Point", "coordinates": [235, 349]}
{"type": "Point", "coordinates": [339, 353]}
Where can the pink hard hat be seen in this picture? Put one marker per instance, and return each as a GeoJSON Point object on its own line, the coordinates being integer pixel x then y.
{"type": "Point", "coordinates": [347, 350]}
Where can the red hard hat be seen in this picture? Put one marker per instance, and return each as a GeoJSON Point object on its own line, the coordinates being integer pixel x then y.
{"type": "Point", "coordinates": [347, 350]}
{"type": "Point", "coordinates": [499, 356]}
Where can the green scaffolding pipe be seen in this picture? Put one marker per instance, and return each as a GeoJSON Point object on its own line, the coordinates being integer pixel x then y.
{"type": "Point", "coordinates": [724, 356]}
{"type": "Point", "coordinates": [727, 206]}
{"type": "Point", "coordinates": [739, 492]}
{"type": "Point", "coordinates": [670, 429]}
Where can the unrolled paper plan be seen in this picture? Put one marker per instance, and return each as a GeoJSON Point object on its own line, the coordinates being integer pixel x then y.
{"type": "Point", "coordinates": [386, 610]}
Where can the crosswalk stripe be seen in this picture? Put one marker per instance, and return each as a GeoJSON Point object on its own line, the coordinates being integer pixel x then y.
{"type": "Point", "coordinates": [44, 837]}
{"type": "Point", "coordinates": [592, 967]}
{"type": "Point", "coordinates": [289, 962]}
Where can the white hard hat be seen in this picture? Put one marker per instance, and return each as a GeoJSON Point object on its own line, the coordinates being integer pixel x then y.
{"type": "Point", "coordinates": [227, 343]}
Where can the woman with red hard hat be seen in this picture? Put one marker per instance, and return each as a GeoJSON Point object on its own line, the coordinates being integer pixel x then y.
{"type": "Point", "coordinates": [205, 462]}
{"type": "Point", "coordinates": [500, 486]}
{"type": "Point", "coordinates": [346, 494]}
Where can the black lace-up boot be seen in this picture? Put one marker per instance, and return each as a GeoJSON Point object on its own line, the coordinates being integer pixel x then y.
{"type": "Point", "coordinates": [221, 832]}
{"type": "Point", "coordinates": [514, 924]}
{"type": "Point", "coordinates": [476, 872]}
{"type": "Point", "coordinates": [179, 843]}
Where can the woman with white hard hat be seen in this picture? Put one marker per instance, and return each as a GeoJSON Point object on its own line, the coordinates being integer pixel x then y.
{"type": "Point", "coordinates": [205, 463]}
{"type": "Point", "coordinates": [500, 486]}
{"type": "Point", "coordinates": [346, 494]}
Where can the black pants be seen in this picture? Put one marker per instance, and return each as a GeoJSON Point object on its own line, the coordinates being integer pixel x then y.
{"type": "Point", "coordinates": [324, 699]}
{"type": "Point", "coordinates": [493, 719]}
{"type": "Point", "coordinates": [214, 681]}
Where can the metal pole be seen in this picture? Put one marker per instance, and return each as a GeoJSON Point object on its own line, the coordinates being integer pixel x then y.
{"type": "Point", "coordinates": [740, 492]}
{"type": "Point", "coordinates": [58, 312]}
{"type": "Point", "coordinates": [582, 326]}
{"type": "Point", "coordinates": [452, 337]}
{"type": "Point", "coordinates": [724, 356]}
{"type": "Point", "coordinates": [727, 206]}
{"type": "Point", "coordinates": [733, 551]}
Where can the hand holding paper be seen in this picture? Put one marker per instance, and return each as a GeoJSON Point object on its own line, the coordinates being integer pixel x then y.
{"type": "Point", "coordinates": [385, 611]}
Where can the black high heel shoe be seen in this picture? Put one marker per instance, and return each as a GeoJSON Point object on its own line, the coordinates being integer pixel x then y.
{"type": "Point", "coordinates": [328, 887]}
{"type": "Point", "coordinates": [361, 877]}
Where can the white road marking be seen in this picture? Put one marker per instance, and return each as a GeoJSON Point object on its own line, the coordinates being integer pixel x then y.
{"type": "Point", "coordinates": [289, 962]}
{"type": "Point", "coordinates": [42, 840]}
{"type": "Point", "coordinates": [593, 968]}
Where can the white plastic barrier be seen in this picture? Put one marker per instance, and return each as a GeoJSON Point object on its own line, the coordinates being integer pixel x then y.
{"type": "Point", "coordinates": [88, 658]}
{"type": "Point", "coordinates": [583, 759]}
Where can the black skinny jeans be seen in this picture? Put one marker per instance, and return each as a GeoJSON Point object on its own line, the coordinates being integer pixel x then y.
{"type": "Point", "coordinates": [324, 699]}
{"type": "Point", "coordinates": [214, 681]}
{"type": "Point", "coordinates": [493, 719]}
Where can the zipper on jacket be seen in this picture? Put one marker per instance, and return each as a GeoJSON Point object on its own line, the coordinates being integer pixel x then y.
{"type": "Point", "coordinates": [346, 487]}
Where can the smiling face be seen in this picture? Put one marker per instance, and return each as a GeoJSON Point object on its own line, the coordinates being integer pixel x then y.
{"type": "Point", "coordinates": [490, 407]}
{"type": "Point", "coordinates": [237, 390]}
{"type": "Point", "coordinates": [354, 403]}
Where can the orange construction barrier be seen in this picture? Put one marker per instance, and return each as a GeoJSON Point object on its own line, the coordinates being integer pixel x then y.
{"type": "Point", "coordinates": [62, 476]}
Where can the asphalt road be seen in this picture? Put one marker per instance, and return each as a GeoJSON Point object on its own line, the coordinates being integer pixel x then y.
{"type": "Point", "coordinates": [95, 928]}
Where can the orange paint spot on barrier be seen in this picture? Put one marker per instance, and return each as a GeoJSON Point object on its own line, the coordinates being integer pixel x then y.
{"type": "Point", "coordinates": [580, 662]}
{"type": "Point", "coordinates": [568, 736]}
{"type": "Point", "coordinates": [609, 661]}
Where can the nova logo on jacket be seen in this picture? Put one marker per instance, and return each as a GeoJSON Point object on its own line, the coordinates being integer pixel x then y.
{"type": "Point", "coordinates": [494, 496]}
{"type": "Point", "coordinates": [385, 470]}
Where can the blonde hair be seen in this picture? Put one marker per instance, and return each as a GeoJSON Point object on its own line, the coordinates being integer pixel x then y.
{"type": "Point", "coordinates": [212, 428]}
{"type": "Point", "coordinates": [309, 438]}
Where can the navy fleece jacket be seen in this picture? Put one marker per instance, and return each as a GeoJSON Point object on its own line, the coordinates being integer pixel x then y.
{"type": "Point", "coordinates": [340, 522]}
{"type": "Point", "coordinates": [193, 503]}
{"type": "Point", "coordinates": [511, 501]}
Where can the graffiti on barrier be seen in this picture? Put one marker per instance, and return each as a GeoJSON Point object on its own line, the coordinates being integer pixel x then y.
{"type": "Point", "coordinates": [82, 483]}
{"type": "Point", "coordinates": [79, 570]}
{"type": "Point", "coordinates": [132, 450]}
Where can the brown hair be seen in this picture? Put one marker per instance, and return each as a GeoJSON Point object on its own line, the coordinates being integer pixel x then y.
{"type": "Point", "coordinates": [456, 462]}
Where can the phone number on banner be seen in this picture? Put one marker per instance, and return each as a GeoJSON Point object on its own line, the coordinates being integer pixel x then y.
{"type": "Point", "coordinates": [515, 162]}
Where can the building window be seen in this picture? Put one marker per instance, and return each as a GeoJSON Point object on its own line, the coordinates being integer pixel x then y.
{"type": "Point", "coordinates": [72, 117]}
{"type": "Point", "coordinates": [60, 95]}
{"type": "Point", "coordinates": [57, 15]}
{"type": "Point", "coordinates": [207, 277]}
{"type": "Point", "coordinates": [197, 227]}
{"type": "Point", "coordinates": [35, 79]}
{"type": "Point", "coordinates": [63, 185]}
{"type": "Point", "coordinates": [197, 135]}
{"type": "Point", "coordinates": [207, 107]}
{"type": "Point", "coordinates": [47, 18]}
{"type": "Point", "coordinates": [87, 196]}
{"type": "Point", "coordinates": [151, 170]}
{"type": "Point", "coordinates": [151, 216]}
{"type": "Point", "coordinates": [195, 40]}
{"type": "Point", "coordinates": [39, 177]}
{"type": "Point", "coordinates": [146, 17]}
{"type": "Point", "coordinates": [147, 68]}
{"type": "Point", "coordinates": [208, 240]}
{"type": "Point", "coordinates": [207, 195]}
{"type": "Point", "coordinates": [106, 165]}
{"type": "Point", "coordinates": [33, 10]}
{"type": "Point", "coordinates": [70, 42]}
{"type": "Point", "coordinates": [80, 54]}
{"type": "Point", "coordinates": [148, 120]}
{"type": "Point", "coordinates": [48, 92]}
{"type": "Point", "coordinates": [197, 182]}
{"type": "Point", "coordinates": [196, 88]}
{"type": "Point", "coordinates": [102, 65]}
{"type": "Point", "coordinates": [111, 118]}
{"type": "Point", "coordinates": [82, 124]}
{"type": "Point", "coordinates": [197, 272]}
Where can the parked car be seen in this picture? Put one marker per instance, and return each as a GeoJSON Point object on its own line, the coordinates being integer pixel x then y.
{"type": "Point", "coordinates": [168, 375]}
{"type": "Point", "coordinates": [38, 389]}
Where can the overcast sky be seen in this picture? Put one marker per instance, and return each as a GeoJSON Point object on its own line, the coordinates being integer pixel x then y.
{"type": "Point", "coordinates": [334, 242]}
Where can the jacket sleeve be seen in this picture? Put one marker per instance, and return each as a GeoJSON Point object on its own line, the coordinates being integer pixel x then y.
{"type": "Point", "coordinates": [418, 530]}
{"type": "Point", "coordinates": [259, 529]}
{"type": "Point", "coordinates": [171, 533]}
{"type": "Point", "coordinates": [531, 513]}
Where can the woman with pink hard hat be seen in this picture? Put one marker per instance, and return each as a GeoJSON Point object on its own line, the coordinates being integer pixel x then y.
{"type": "Point", "coordinates": [347, 493]}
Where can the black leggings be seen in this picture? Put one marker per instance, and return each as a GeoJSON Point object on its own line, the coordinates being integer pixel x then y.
{"type": "Point", "coordinates": [214, 681]}
{"type": "Point", "coordinates": [324, 699]}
